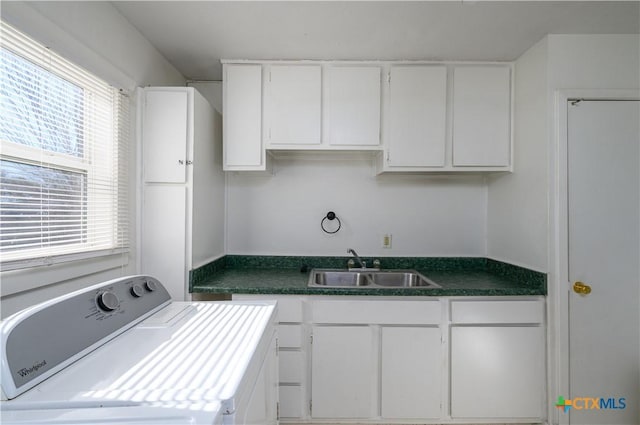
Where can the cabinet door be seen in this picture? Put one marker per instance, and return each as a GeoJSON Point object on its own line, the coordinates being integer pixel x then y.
{"type": "Point", "coordinates": [292, 403]}
{"type": "Point", "coordinates": [344, 361]}
{"type": "Point", "coordinates": [417, 116]}
{"type": "Point", "coordinates": [164, 236]}
{"type": "Point", "coordinates": [354, 105]}
{"type": "Point", "coordinates": [497, 372]}
{"type": "Point", "coordinates": [164, 136]}
{"type": "Point", "coordinates": [411, 372]}
{"type": "Point", "coordinates": [242, 129]}
{"type": "Point", "coordinates": [294, 102]}
{"type": "Point", "coordinates": [481, 116]}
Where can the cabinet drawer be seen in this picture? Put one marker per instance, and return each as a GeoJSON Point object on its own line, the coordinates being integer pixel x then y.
{"type": "Point", "coordinates": [291, 401]}
{"type": "Point", "coordinates": [291, 366]}
{"type": "Point", "coordinates": [377, 312]}
{"type": "Point", "coordinates": [290, 336]}
{"type": "Point", "coordinates": [289, 309]}
{"type": "Point", "coordinates": [469, 312]}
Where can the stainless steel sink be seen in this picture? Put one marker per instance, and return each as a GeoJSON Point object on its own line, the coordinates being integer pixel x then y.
{"type": "Point", "coordinates": [357, 278]}
{"type": "Point", "coordinates": [338, 278]}
{"type": "Point", "coordinates": [402, 279]}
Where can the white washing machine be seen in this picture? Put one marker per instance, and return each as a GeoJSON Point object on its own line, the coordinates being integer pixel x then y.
{"type": "Point", "coordinates": [122, 352]}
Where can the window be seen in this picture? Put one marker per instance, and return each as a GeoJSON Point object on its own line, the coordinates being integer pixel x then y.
{"type": "Point", "coordinates": [63, 159]}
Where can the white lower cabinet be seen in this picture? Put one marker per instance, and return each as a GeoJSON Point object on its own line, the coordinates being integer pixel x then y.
{"type": "Point", "coordinates": [293, 355]}
{"type": "Point", "coordinates": [292, 401]}
{"type": "Point", "coordinates": [343, 372]}
{"type": "Point", "coordinates": [376, 358]}
{"type": "Point", "coordinates": [409, 360]}
{"type": "Point", "coordinates": [496, 372]}
{"type": "Point", "coordinates": [497, 359]}
{"type": "Point", "coordinates": [411, 372]}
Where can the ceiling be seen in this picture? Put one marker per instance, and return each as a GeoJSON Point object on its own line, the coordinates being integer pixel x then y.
{"type": "Point", "coordinates": [194, 36]}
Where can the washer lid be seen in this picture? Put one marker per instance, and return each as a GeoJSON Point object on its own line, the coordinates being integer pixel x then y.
{"type": "Point", "coordinates": [197, 352]}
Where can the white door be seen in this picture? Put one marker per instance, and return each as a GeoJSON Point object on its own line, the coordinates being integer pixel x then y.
{"type": "Point", "coordinates": [164, 135]}
{"type": "Point", "coordinates": [243, 117]}
{"type": "Point", "coordinates": [354, 105]}
{"type": "Point", "coordinates": [164, 237]}
{"type": "Point", "coordinates": [417, 116]}
{"type": "Point", "coordinates": [496, 371]}
{"type": "Point", "coordinates": [411, 372]}
{"type": "Point", "coordinates": [481, 116]}
{"type": "Point", "coordinates": [343, 378]}
{"type": "Point", "coordinates": [604, 256]}
{"type": "Point", "coordinates": [293, 103]}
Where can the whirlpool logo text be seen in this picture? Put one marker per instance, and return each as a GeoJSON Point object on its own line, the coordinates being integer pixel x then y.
{"type": "Point", "coordinates": [591, 403]}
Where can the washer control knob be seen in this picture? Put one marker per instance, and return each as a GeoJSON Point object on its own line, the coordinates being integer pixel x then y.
{"type": "Point", "coordinates": [137, 291]}
{"type": "Point", "coordinates": [108, 301]}
{"type": "Point", "coordinates": [151, 285]}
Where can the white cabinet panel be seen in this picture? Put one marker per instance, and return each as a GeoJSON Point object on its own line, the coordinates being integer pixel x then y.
{"type": "Point", "coordinates": [484, 312]}
{"type": "Point", "coordinates": [289, 309]}
{"type": "Point", "coordinates": [164, 136]}
{"type": "Point", "coordinates": [417, 116]}
{"type": "Point", "coordinates": [481, 116]}
{"type": "Point", "coordinates": [164, 236]}
{"type": "Point", "coordinates": [411, 370]}
{"type": "Point", "coordinates": [291, 401]}
{"type": "Point", "coordinates": [290, 336]}
{"type": "Point", "coordinates": [243, 117]}
{"type": "Point", "coordinates": [354, 105]}
{"type": "Point", "coordinates": [376, 312]}
{"type": "Point", "coordinates": [343, 371]}
{"type": "Point", "coordinates": [291, 366]}
{"type": "Point", "coordinates": [294, 104]}
{"type": "Point", "coordinates": [497, 372]}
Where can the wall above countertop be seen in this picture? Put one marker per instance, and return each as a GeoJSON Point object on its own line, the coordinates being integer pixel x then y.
{"type": "Point", "coordinates": [426, 215]}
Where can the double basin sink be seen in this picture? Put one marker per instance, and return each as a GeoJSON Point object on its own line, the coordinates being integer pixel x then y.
{"type": "Point", "coordinates": [368, 278]}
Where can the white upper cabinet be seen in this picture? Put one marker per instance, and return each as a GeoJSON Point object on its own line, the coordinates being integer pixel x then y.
{"type": "Point", "coordinates": [242, 129]}
{"type": "Point", "coordinates": [417, 116]}
{"type": "Point", "coordinates": [293, 104]}
{"type": "Point", "coordinates": [411, 116]}
{"type": "Point", "coordinates": [164, 136]}
{"type": "Point", "coordinates": [481, 116]}
{"type": "Point", "coordinates": [353, 104]}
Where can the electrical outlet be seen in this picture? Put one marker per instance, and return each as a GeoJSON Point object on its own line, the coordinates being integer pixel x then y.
{"type": "Point", "coordinates": [386, 240]}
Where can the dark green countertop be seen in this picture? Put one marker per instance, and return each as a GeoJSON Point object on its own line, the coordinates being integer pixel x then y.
{"type": "Point", "coordinates": [282, 275]}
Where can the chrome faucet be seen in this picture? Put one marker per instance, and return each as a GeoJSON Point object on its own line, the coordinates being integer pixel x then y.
{"type": "Point", "coordinates": [358, 259]}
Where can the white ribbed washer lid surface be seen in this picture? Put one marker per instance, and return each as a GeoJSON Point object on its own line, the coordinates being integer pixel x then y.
{"type": "Point", "coordinates": [193, 352]}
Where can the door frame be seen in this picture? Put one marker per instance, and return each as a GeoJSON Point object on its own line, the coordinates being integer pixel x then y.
{"type": "Point", "coordinates": [559, 289]}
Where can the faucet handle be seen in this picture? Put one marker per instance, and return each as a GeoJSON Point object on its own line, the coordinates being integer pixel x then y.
{"type": "Point", "coordinates": [376, 263]}
{"type": "Point", "coordinates": [351, 264]}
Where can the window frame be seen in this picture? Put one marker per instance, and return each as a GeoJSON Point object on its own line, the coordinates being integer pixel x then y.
{"type": "Point", "coordinates": [117, 136]}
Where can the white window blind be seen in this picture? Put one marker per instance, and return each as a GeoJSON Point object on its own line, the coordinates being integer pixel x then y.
{"type": "Point", "coordinates": [64, 136]}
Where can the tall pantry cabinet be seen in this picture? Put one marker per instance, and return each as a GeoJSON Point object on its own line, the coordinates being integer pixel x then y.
{"type": "Point", "coordinates": [182, 186]}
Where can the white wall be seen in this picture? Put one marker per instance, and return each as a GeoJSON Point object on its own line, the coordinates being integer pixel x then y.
{"type": "Point", "coordinates": [594, 62]}
{"type": "Point", "coordinates": [211, 90]}
{"type": "Point", "coordinates": [517, 202]}
{"type": "Point", "coordinates": [95, 36]}
{"type": "Point", "coordinates": [427, 215]}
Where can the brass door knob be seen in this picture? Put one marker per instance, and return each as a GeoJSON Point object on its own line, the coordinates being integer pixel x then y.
{"type": "Point", "coordinates": [581, 288]}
